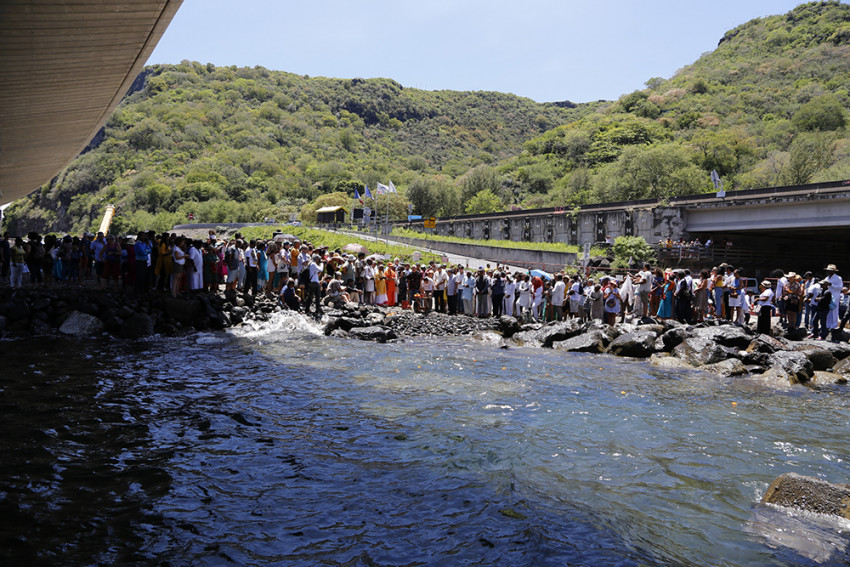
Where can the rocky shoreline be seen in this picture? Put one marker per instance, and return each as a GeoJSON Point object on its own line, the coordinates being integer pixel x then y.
{"type": "Point", "coordinates": [724, 350]}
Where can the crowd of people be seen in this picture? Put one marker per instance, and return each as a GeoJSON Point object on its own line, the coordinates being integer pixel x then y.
{"type": "Point", "coordinates": [308, 277]}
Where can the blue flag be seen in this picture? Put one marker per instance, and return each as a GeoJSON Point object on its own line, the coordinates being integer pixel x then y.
{"type": "Point", "coordinates": [368, 193]}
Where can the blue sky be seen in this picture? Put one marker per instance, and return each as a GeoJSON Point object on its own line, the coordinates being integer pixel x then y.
{"type": "Point", "coordinates": [544, 50]}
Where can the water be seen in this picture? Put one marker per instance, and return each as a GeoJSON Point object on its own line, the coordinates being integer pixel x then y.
{"type": "Point", "coordinates": [275, 445]}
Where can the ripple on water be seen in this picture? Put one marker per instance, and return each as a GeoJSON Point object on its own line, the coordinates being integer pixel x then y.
{"type": "Point", "coordinates": [272, 445]}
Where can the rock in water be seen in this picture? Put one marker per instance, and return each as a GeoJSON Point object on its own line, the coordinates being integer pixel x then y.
{"type": "Point", "coordinates": [698, 351]}
{"type": "Point", "coordinates": [137, 326]}
{"type": "Point", "coordinates": [811, 494]}
{"type": "Point", "coordinates": [81, 324]}
{"type": "Point", "coordinates": [795, 366]}
{"type": "Point", "coordinates": [639, 344]}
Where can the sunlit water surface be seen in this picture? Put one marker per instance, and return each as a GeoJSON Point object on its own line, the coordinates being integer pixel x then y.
{"type": "Point", "coordinates": [276, 445]}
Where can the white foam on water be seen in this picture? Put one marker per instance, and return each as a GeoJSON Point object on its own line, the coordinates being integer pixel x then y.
{"type": "Point", "coordinates": [282, 324]}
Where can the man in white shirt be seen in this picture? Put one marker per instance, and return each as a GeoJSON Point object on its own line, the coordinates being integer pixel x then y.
{"type": "Point", "coordinates": [558, 295]}
{"type": "Point", "coordinates": [780, 303]}
{"type": "Point", "coordinates": [644, 285]}
{"type": "Point", "coordinates": [251, 268]}
{"type": "Point", "coordinates": [314, 290]}
{"type": "Point", "coordinates": [835, 285]}
{"type": "Point", "coordinates": [440, 285]}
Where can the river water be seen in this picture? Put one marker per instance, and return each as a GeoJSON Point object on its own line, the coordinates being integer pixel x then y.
{"type": "Point", "coordinates": [277, 445]}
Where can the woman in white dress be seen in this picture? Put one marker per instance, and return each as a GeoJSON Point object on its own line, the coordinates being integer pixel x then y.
{"type": "Point", "coordinates": [524, 289]}
{"type": "Point", "coordinates": [197, 259]}
{"type": "Point", "coordinates": [510, 289]}
{"type": "Point", "coordinates": [537, 300]}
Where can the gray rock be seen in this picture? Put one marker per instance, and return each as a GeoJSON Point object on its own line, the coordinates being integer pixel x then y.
{"type": "Point", "coordinates": [824, 378]}
{"type": "Point", "coordinates": [528, 338]}
{"type": "Point", "coordinates": [638, 344]}
{"type": "Point", "coordinates": [698, 351]}
{"type": "Point", "coordinates": [664, 360]}
{"type": "Point", "coordinates": [754, 357]}
{"type": "Point", "coordinates": [80, 324]}
{"type": "Point", "coordinates": [797, 334]}
{"type": "Point", "coordinates": [348, 323]}
{"type": "Point", "coordinates": [373, 333]}
{"type": "Point", "coordinates": [839, 350]}
{"type": "Point", "coordinates": [375, 319]}
{"type": "Point", "coordinates": [508, 326]}
{"type": "Point", "coordinates": [820, 357]}
{"type": "Point", "coordinates": [592, 341]}
{"type": "Point", "coordinates": [340, 334]}
{"type": "Point", "coordinates": [137, 326]}
{"type": "Point", "coordinates": [726, 335]}
{"type": "Point", "coordinates": [796, 366]}
{"type": "Point", "coordinates": [40, 328]}
{"type": "Point", "coordinates": [842, 367]}
{"type": "Point", "coordinates": [670, 339]}
{"type": "Point", "coordinates": [3, 322]}
{"type": "Point", "coordinates": [183, 310]}
{"type": "Point", "coordinates": [726, 368]}
{"type": "Point", "coordinates": [765, 343]}
{"type": "Point", "coordinates": [558, 331]}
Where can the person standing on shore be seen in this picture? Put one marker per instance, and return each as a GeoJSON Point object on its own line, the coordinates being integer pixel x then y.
{"type": "Point", "coordinates": [559, 291]}
{"type": "Point", "coordinates": [314, 290]}
{"type": "Point", "coordinates": [765, 305]}
{"type": "Point", "coordinates": [142, 255]}
{"type": "Point", "coordinates": [510, 293]}
{"type": "Point", "coordinates": [835, 285]}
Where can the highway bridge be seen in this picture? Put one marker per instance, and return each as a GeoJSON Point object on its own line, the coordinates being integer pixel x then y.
{"type": "Point", "coordinates": [796, 227]}
{"type": "Point", "coordinates": [64, 67]}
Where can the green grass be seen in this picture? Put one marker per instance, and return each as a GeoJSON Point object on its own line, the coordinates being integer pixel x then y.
{"type": "Point", "coordinates": [333, 240]}
{"type": "Point", "coordinates": [547, 246]}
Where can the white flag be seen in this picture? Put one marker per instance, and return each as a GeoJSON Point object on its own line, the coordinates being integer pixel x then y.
{"type": "Point", "coordinates": [382, 189]}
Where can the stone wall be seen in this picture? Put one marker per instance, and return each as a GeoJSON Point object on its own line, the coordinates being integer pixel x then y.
{"type": "Point", "coordinates": [653, 224]}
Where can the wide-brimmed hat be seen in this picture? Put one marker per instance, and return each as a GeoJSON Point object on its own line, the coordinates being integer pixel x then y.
{"type": "Point", "coordinates": [831, 268]}
{"type": "Point", "coordinates": [766, 283]}
{"type": "Point", "coordinates": [791, 275]}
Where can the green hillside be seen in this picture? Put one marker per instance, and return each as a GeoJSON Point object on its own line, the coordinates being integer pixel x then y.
{"type": "Point", "coordinates": [242, 144]}
{"type": "Point", "coordinates": [768, 107]}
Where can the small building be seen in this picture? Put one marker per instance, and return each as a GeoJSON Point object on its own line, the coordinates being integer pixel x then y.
{"type": "Point", "coordinates": [330, 215]}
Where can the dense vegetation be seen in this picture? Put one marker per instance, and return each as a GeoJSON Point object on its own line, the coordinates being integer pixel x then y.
{"type": "Point", "coordinates": [767, 107]}
{"type": "Point", "coordinates": [242, 144]}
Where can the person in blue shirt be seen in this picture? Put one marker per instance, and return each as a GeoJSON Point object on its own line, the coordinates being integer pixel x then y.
{"type": "Point", "coordinates": [142, 251]}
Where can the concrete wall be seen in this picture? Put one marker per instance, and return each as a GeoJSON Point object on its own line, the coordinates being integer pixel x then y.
{"type": "Point", "coordinates": [548, 261]}
{"type": "Point", "coordinates": [653, 224]}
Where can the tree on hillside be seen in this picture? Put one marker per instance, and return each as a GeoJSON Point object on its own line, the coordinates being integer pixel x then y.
{"type": "Point", "coordinates": [810, 153]}
{"type": "Point", "coordinates": [424, 196]}
{"type": "Point", "coordinates": [823, 113]}
{"type": "Point", "coordinates": [481, 178]}
{"type": "Point", "coordinates": [483, 202]}
{"type": "Point", "coordinates": [659, 172]}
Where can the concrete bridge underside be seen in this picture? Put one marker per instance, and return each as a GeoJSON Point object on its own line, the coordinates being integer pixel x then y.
{"type": "Point", "coordinates": [64, 67]}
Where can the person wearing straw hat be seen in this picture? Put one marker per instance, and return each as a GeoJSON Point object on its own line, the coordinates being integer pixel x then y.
{"type": "Point", "coordinates": [835, 285]}
{"type": "Point", "coordinates": [765, 305]}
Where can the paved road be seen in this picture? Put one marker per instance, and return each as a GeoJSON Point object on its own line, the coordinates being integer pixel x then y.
{"type": "Point", "coordinates": [453, 259]}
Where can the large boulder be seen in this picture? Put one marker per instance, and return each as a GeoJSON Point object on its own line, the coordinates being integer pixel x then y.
{"type": "Point", "coordinates": [824, 378]}
{"type": "Point", "coordinates": [664, 360]}
{"type": "Point", "coordinates": [594, 341]}
{"type": "Point", "coordinates": [80, 324]}
{"type": "Point", "coordinates": [795, 366]}
{"type": "Point", "coordinates": [137, 326]}
{"type": "Point", "coordinates": [670, 339]}
{"type": "Point", "coordinates": [373, 333]}
{"type": "Point", "coordinates": [348, 323]}
{"type": "Point", "coordinates": [183, 310]}
{"type": "Point", "coordinates": [698, 351]}
{"type": "Point", "coordinates": [508, 326]}
{"type": "Point", "coordinates": [726, 335]}
{"type": "Point", "coordinates": [839, 350]}
{"type": "Point", "coordinates": [766, 343]}
{"type": "Point", "coordinates": [792, 490]}
{"type": "Point", "coordinates": [726, 368]}
{"type": "Point", "coordinates": [639, 344]}
{"type": "Point", "coordinates": [820, 357]}
{"type": "Point", "coordinates": [558, 331]}
{"type": "Point", "coordinates": [842, 367]}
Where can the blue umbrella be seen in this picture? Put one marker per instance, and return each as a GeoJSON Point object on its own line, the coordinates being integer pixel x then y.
{"type": "Point", "coordinates": [541, 274]}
